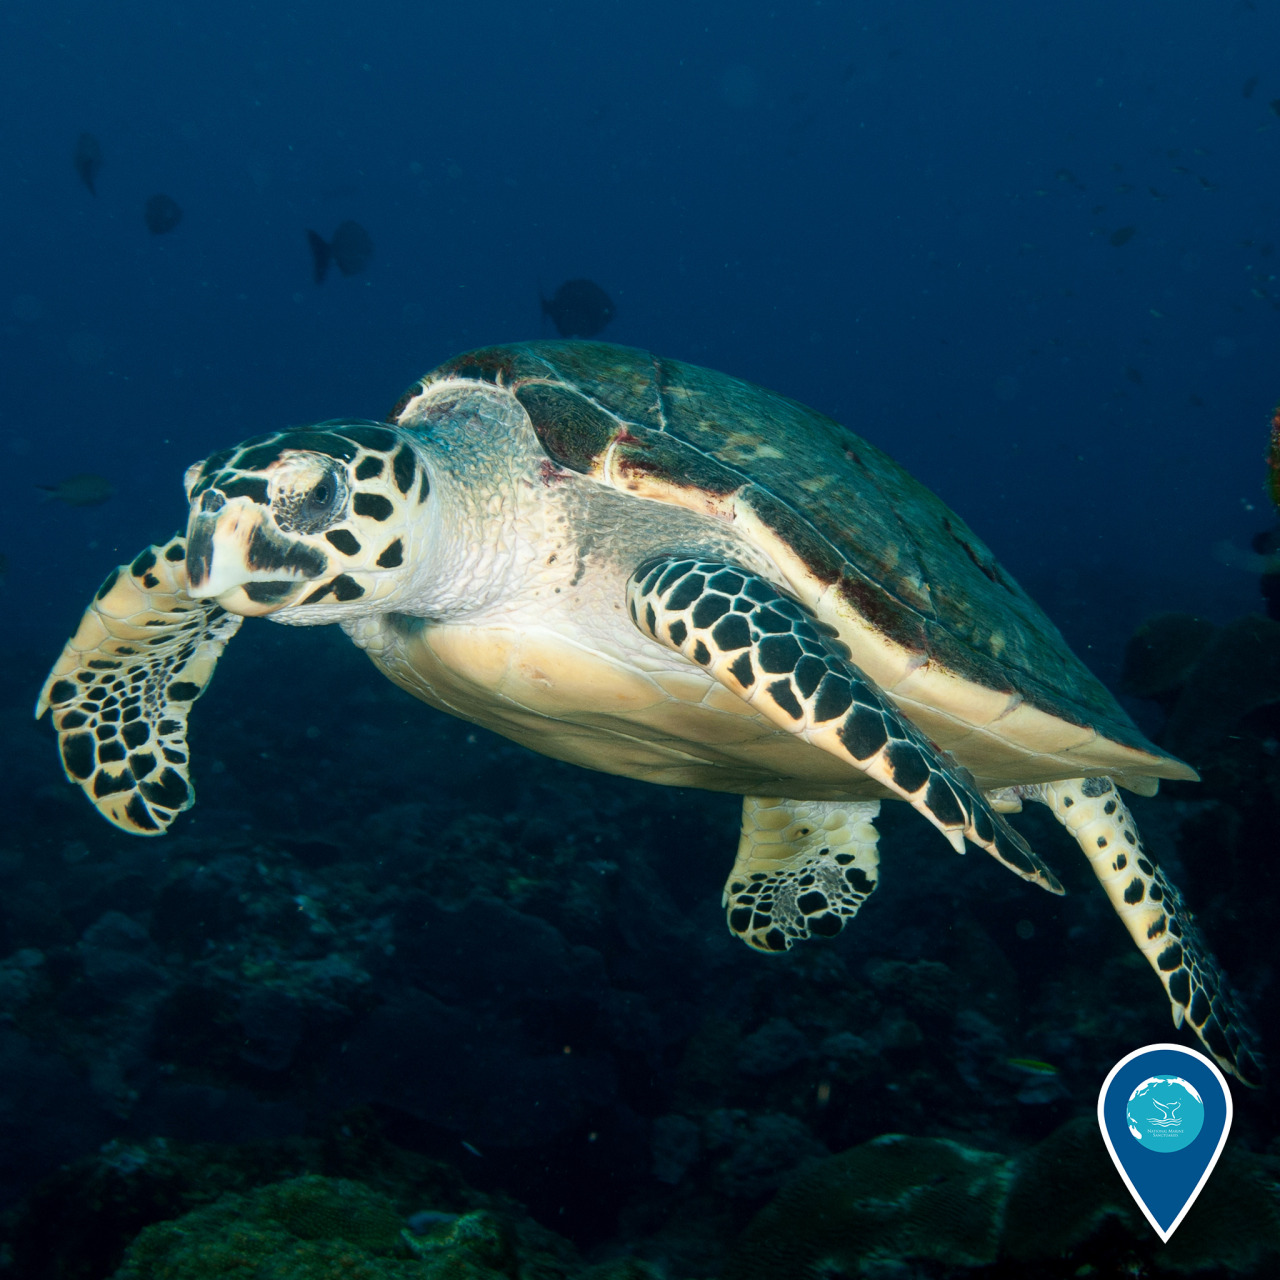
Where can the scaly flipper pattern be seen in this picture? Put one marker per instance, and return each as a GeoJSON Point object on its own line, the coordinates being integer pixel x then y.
{"type": "Point", "coordinates": [120, 692]}
{"type": "Point", "coordinates": [1157, 919]}
{"type": "Point", "coordinates": [776, 655]}
{"type": "Point", "coordinates": [804, 867]}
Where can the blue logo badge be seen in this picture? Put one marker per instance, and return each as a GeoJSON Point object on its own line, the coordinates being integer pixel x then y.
{"type": "Point", "coordinates": [1165, 1112]}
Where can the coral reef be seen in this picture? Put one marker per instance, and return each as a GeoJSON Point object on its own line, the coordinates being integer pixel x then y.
{"type": "Point", "coordinates": [894, 1198]}
{"type": "Point", "coordinates": [1211, 681]}
{"type": "Point", "coordinates": [522, 971]}
{"type": "Point", "coordinates": [1161, 655]}
{"type": "Point", "coordinates": [77, 1223]}
{"type": "Point", "coordinates": [315, 1228]}
{"type": "Point", "coordinates": [1234, 1224]}
{"type": "Point", "coordinates": [1058, 1209]}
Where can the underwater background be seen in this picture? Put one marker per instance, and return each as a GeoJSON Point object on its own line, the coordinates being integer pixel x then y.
{"type": "Point", "coordinates": [398, 998]}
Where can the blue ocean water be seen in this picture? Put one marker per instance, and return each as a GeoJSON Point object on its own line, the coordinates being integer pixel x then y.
{"type": "Point", "coordinates": [900, 214]}
{"type": "Point", "coordinates": [1029, 251]}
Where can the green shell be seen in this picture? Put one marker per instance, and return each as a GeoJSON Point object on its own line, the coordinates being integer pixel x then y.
{"type": "Point", "coordinates": [902, 559]}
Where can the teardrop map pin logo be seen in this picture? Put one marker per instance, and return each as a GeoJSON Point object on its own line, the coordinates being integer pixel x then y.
{"type": "Point", "coordinates": [1165, 1112]}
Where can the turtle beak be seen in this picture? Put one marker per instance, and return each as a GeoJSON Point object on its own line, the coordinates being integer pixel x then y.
{"type": "Point", "coordinates": [237, 556]}
{"type": "Point", "coordinates": [217, 529]}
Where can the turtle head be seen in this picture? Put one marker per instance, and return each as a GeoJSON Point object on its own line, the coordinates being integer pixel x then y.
{"type": "Point", "coordinates": [314, 524]}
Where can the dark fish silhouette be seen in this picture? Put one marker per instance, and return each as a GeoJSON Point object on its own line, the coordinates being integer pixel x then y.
{"type": "Point", "coordinates": [83, 490]}
{"type": "Point", "coordinates": [579, 309]}
{"type": "Point", "coordinates": [88, 160]}
{"type": "Point", "coordinates": [1123, 235]}
{"type": "Point", "coordinates": [1249, 86]}
{"type": "Point", "coordinates": [162, 214]}
{"type": "Point", "coordinates": [350, 249]}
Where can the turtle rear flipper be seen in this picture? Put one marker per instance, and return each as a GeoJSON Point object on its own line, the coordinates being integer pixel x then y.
{"type": "Point", "coordinates": [804, 867]}
{"type": "Point", "coordinates": [120, 692]}
{"type": "Point", "coordinates": [1157, 918]}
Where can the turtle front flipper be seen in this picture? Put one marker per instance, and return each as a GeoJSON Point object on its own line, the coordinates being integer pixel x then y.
{"type": "Point", "coordinates": [1157, 919]}
{"type": "Point", "coordinates": [804, 867]}
{"type": "Point", "coordinates": [120, 692]}
{"type": "Point", "coordinates": [776, 655]}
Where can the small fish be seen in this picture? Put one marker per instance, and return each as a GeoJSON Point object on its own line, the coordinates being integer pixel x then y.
{"type": "Point", "coordinates": [579, 309]}
{"type": "Point", "coordinates": [1033, 1066]}
{"type": "Point", "coordinates": [88, 160]}
{"type": "Point", "coordinates": [1274, 104]}
{"type": "Point", "coordinates": [351, 249]}
{"type": "Point", "coordinates": [1134, 375]}
{"type": "Point", "coordinates": [1249, 86]}
{"type": "Point", "coordinates": [82, 490]}
{"type": "Point", "coordinates": [475, 1151]}
{"type": "Point", "coordinates": [1122, 235]}
{"type": "Point", "coordinates": [161, 214]}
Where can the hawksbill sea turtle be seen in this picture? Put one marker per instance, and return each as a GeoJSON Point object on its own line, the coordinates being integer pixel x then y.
{"type": "Point", "coordinates": [656, 570]}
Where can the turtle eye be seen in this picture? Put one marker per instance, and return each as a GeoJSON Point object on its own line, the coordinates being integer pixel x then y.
{"type": "Point", "coordinates": [314, 509]}
{"type": "Point", "coordinates": [319, 503]}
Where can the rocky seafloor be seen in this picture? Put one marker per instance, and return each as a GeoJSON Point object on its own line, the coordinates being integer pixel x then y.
{"type": "Point", "coordinates": [398, 998]}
